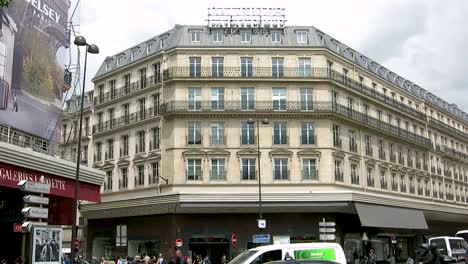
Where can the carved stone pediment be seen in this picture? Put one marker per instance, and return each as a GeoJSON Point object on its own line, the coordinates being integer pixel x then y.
{"type": "Point", "coordinates": [339, 154]}
{"type": "Point", "coordinates": [280, 152]}
{"type": "Point", "coordinates": [139, 159]}
{"type": "Point", "coordinates": [123, 162]}
{"type": "Point", "coordinates": [247, 152]}
{"type": "Point", "coordinates": [309, 153]}
{"type": "Point", "coordinates": [194, 153]}
{"type": "Point", "coordinates": [108, 165]}
{"type": "Point", "coordinates": [218, 152]}
{"type": "Point", "coordinates": [354, 158]}
{"type": "Point", "coordinates": [370, 163]}
{"type": "Point", "coordinates": [154, 156]}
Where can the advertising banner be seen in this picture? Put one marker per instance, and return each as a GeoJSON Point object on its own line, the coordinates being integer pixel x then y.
{"type": "Point", "coordinates": [33, 43]}
{"type": "Point", "coordinates": [46, 245]}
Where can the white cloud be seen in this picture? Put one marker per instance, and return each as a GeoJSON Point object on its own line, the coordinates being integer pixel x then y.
{"type": "Point", "coordinates": [423, 41]}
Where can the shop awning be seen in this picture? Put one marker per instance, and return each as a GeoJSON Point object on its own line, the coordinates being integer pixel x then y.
{"type": "Point", "coordinates": [390, 217]}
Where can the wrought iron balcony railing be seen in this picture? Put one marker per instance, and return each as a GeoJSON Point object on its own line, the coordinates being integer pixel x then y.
{"type": "Point", "coordinates": [125, 120]}
{"type": "Point", "coordinates": [126, 90]}
{"type": "Point", "coordinates": [288, 73]}
{"type": "Point", "coordinates": [445, 127]}
{"type": "Point", "coordinates": [268, 107]}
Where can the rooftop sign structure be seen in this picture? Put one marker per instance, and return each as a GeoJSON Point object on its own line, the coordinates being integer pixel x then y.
{"type": "Point", "coordinates": [225, 17]}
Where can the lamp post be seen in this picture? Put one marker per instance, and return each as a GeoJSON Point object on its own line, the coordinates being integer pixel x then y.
{"type": "Point", "coordinates": [94, 49]}
{"type": "Point", "coordinates": [265, 121]}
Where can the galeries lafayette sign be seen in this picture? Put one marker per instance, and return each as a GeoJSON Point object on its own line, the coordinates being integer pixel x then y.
{"type": "Point", "coordinates": [10, 176]}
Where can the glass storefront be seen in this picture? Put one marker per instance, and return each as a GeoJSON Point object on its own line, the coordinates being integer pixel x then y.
{"type": "Point", "coordinates": [140, 247]}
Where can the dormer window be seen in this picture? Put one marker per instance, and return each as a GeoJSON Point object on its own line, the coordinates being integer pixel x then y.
{"type": "Point", "coordinates": [217, 36]}
{"type": "Point", "coordinates": [302, 37]}
{"type": "Point", "coordinates": [195, 35]}
{"type": "Point", "coordinates": [107, 66]}
{"type": "Point", "coordinates": [149, 47]}
{"type": "Point", "coordinates": [119, 60]}
{"type": "Point", "coordinates": [134, 53]}
{"type": "Point", "coordinates": [161, 44]}
{"type": "Point", "coordinates": [275, 37]}
{"type": "Point", "coordinates": [246, 37]}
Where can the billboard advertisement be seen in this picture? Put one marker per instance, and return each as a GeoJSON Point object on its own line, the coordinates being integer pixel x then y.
{"type": "Point", "coordinates": [46, 245]}
{"type": "Point", "coordinates": [33, 43]}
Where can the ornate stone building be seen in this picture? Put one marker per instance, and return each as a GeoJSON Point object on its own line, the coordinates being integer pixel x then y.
{"type": "Point", "coordinates": [347, 140]}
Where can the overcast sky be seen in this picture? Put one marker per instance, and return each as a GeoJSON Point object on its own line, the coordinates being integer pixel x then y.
{"type": "Point", "coordinates": [425, 41]}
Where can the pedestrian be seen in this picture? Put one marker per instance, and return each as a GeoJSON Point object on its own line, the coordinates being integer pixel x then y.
{"type": "Point", "coordinates": [15, 103]}
{"type": "Point", "coordinates": [371, 257]}
{"type": "Point", "coordinates": [223, 259]}
{"type": "Point", "coordinates": [161, 259]}
{"type": "Point", "coordinates": [179, 258]}
{"type": "Point", "coordinates": [66, 259]}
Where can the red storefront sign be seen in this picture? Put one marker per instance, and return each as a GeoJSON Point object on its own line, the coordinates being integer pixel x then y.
{"type": "Point", "coordinates": [10, 175]}
{"type": "Point", "coordinates": [17, 228]}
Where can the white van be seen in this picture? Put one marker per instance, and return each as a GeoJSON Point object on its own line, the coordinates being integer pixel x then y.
{"type": "Point", "coordinates": [454, 247]}
{"type": "Point", "coordinates": [313, 251]}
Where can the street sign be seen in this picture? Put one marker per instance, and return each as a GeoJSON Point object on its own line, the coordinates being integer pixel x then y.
{"type": "Point", "coordinates": [234, 240]}
{"type": "Point", "coordinates": [35, 212]}
{"type": "Point", "coordinates": [35, 187]}
{"type": "Point", "coordinates": [326, 237]}
{"type": "Point", "coordinates": [28, 225]}
{"type": "Point", "coordinates": [17, 228]}
{"type": "Point", "coordinates": [330, 224]}
{"type": "Point", "coordinates": [261, 223]}
{"type": "Point", "coordinates": [179, 242]}
{"type": "Point", "coordinates": [34, 199]}
{"type": "Point", "coordinates": [261, 239]}
{"type": "Point", "coordinates": [327, 230]}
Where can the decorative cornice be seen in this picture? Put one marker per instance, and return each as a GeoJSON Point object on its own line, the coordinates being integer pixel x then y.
{"type": "Point", "coordinates": [108, 165]}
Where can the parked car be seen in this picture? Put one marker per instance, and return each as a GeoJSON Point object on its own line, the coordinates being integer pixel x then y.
{"type": "Point", "coordinates": [328, 252]}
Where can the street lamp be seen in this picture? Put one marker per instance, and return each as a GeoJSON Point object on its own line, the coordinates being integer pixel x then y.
{"type": "Point", "coordinates": [265, 121]}
{"type": "Point", "coordinates": [93, 49]}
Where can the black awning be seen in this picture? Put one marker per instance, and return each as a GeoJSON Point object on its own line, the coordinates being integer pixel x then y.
{"type": "Point", "coordinates": [390, 217]}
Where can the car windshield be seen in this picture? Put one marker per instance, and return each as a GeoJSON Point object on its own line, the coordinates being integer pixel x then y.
{"type": "Point", "coordinates": [243, 257]}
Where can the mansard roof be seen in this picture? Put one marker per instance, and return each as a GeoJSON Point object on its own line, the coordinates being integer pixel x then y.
{"type": "Point", "coordinates": [179, 36]}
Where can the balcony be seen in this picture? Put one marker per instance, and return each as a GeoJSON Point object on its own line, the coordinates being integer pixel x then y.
{"type": "Point", "coordinates": [370, 182]}
{"type": "Point", "coordinates": [383, 185]}
{"type": "Point", "coordinates": [369, 151]}
{"type": "Point", "coordinates": [124, 90]}
{"type": "Point", "coordinates": [453, 153]}
{"type": "Point", "coordinates": [123, 121]}
{"type": "Point", "coordinates": [409, 162]}
{"type": "Point", "coordinates": [339, 177]}
{"type": "Point", "coordinates": [382, 155]}
{"type": "Point", "coordinates": [337, 143]}
{"type": "Point", "coordinates": [418, 165]}
{"type": "Point", "coordinates": [444, 127]}
{"type": "Point", "coordinates": [219, 140]}
{"type": "Point", "coordinates": [235, 108]}
{"type": "Point", "coordinates": [353, 147]}
{"type": "Point", "coordinates": [290, 73]}
{"type": "Point", "coordinates": [401, 160]}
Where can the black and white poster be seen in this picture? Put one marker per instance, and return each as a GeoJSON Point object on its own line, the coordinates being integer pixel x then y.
{"type": "Point", "coordinates": [46, 245]}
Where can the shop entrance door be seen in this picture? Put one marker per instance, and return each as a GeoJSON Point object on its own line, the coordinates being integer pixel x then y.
{"type": "Point", "coordinates": [214, 248]}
